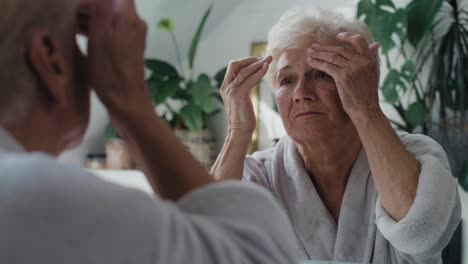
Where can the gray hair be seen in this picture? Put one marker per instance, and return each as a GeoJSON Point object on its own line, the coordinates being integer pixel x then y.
{"type": "Point", "coordinates": [20, 18]}
{"type": "Point", "coordinates": [298, 26]}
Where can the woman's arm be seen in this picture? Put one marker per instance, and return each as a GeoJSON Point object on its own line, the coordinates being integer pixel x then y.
{"type": "Point", "coordinates": [241, 77]}
{"type": "Point", "coordinates": [117, 38]}
{"type": "Point", "coordinates": [230, 162]}
{"type": "Point", "coordinates": [395, 169]}
{"type": "Point", "coordinates": [419, 207]}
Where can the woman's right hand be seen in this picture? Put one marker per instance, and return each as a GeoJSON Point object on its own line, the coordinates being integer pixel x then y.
{"type": "Point", "coordinates": [241, 77]}
{"type": "Point", "coordinates": [116, 45]}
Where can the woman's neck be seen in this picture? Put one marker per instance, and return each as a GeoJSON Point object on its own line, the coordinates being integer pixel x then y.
{"type": "Point", "coordinates": [329, 162]}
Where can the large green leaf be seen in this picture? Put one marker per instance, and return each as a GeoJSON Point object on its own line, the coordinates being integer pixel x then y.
{"type": "Point", "coordinates": [383, 22]}
{"type": "Point", "coordinates": [196, 37]}
{"type": "Point", "coordinates": [389, 87]}
{"type": "Point", "coordinates": [382, 25]}
{"type": "Point", "coordinates": [421, 14]}
{"type": "Point", "coordinates": [161, 68]}
{"type": "Point", "coordinates": [162, 90]}
{"type": "Point", "coordinates": [364, 7]}
{"type": "Point", "coordinates": [416, 114]}
{"type": "Point", "coordinates": [400, 18]}
{"type": "Point", "coordinates": [201, 92]}
{"type": "Point", "coordinates": [192, 116]}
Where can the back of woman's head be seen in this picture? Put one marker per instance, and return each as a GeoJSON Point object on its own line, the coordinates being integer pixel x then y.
{"type": "Point", "coordinates": [299, 26]}
{"type": "Point", "coordinates": [20, 18]}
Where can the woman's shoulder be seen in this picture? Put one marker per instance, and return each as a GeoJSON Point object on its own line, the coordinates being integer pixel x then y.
{"type": "Point", "coordinates": [264, 157]}
{"type": "Point", "coordinates": [423, 145]}
{"type": "Point", "coordinates": [259, 166]}
{"type": "Point", "coordinates": [418, 141]}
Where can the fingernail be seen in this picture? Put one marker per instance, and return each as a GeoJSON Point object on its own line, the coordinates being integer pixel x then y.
{"type": "Point", "coordinates": [341, 34]}
{"type": "Point", "coordinates": [311, 50]}
{"type": "Point", "coordinates": [316, 45]}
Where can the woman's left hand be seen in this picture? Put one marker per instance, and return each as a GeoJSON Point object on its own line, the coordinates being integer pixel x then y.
{"type": "Point", "coordinates": [356, 72]}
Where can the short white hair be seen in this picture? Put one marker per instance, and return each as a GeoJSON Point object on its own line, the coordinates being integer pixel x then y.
{"type": "Point", "coordinates": [20, 18]}
{"type": "Point", "coordinates": [298, 26]}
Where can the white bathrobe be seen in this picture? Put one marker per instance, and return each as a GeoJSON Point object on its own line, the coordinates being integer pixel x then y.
{"type": "Point", "coordinates": [56, 214]}
{"type": "Point", "coordinates": [365, 232]}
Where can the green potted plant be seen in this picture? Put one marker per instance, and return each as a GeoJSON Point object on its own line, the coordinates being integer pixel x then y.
{"type": "Point", "coordinates": [425, 48]}
{"type": "Point", "coordinates": [184, 101]}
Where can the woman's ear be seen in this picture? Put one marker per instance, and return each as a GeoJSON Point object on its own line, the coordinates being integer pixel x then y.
{"type": "Point", "coordinates": [374, 48]}
{"type": "Point", "coordinates": [48, 64]}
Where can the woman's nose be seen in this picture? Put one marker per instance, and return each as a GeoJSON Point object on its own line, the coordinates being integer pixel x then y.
{"type": "Point", "coordinates": [304, 91]}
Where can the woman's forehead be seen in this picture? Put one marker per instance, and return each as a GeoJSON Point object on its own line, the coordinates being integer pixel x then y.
{"type": "Point", "coordinates": [296, 52]}
{"type": "Point", "coordinates": [291, 57]}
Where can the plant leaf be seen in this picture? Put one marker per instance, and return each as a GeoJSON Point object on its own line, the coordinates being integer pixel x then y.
{"type": "Point", "coordinates": [402, 84]}
{"type": "Point", "coordinates": [460, 87]}
{"type": "Point", "coordinates": [214, 112]}
{"type": "Point", "coordinates": [421, 14]}
{"type": "Point", "coordinates": [152, 84]}
{"type": "Point", "coordinates": [385, 3]}
{"type": "Point", "coordinates": [166, 24]}
{"type": "Point", "coordinates": [408, 71]}
{"type": "Point", "coordinates": [219, 77]}
{"type": "Point", "coordinates": [382, 25]}
{"type": "Point", "coordinates": [218, 97]}
{"type": "Point", "coordinates": [196, 37]}
{"type": "Point", "coordinates": [389, 87]}
{"type": "Point", "coordinates": [201, 91]}
{"type": "Point", "coordinates": [192, 116]}
{"type": "Point", "coordinates": [400, 18]}
{"type": "Point", "coordinates": [162, 90]}
{"type": "Point", "coordinates": [416, 114]}
{"type": "Point", "coordinates": [364, 7]}
{"type": "Point", "coordinates": [161, 68]}
{"type": "Point", "coordinates": [463, 178]}
{"type": "Point", "coordinates": [110, 133]}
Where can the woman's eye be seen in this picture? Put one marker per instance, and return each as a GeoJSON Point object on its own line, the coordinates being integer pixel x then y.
{"type": "Point", "coordinates": [321, 75]}
{"type": "Point", "coordinates": [286, 81]}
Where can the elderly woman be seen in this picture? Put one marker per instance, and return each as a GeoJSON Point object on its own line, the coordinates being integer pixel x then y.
{"type": "Point", "coordinates": [355, 190]}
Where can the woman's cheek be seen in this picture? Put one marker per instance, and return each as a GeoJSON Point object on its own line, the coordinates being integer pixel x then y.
{"type": "Point", "coordinates": [283, 100]}
{"type": "Point", "coordinates": [283, 97]}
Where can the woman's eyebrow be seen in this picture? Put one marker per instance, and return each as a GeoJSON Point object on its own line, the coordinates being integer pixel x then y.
{"type": "Point", "coordinates": [284, 69]}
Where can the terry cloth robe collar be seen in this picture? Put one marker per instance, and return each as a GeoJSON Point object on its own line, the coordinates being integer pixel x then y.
{"type": "Point", "coordinates": [316, 229]}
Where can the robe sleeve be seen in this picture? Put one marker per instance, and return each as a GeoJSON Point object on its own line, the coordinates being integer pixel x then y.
{"type": "Point", "coordinates": [57, 214]}
{"type": "Point", "coordinates": [248, 220]}
{"type": "Point", "coordinates": [436, 211]}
